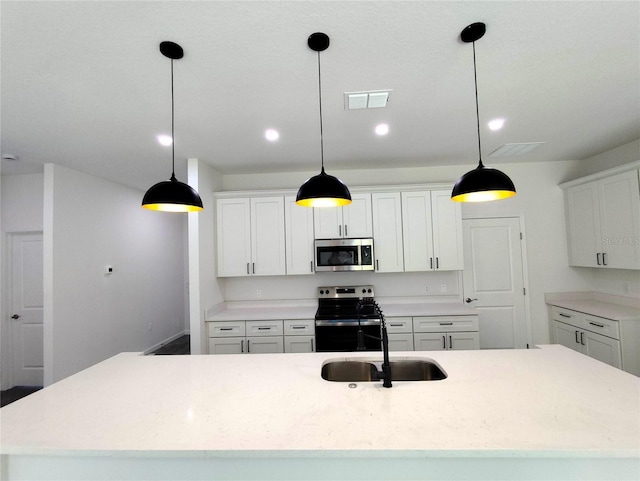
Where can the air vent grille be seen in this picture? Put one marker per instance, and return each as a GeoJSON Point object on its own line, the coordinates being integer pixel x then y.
{"type": "Point", "coordinates": [511, 150]}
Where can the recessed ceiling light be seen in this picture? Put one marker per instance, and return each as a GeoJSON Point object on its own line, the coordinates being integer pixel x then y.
{"type": "Point", "coordinates": [496, 124]}
{"type": "Point", "coordinates": [382, 129]}
{"type": "Point", "coordinates": [271, 135]}
{"type": "Point", "coordinates": [165, 140]}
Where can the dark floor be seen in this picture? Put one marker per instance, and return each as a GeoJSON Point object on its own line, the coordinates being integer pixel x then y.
{"type": "Point", "coordinates": [15, 393]}
{"type": "Point", "coordinates": [175, 347]}
{"type": "Point", "coordinates": [178, 346]}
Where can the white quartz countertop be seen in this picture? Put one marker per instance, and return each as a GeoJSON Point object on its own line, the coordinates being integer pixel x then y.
{"type": "Point", "coordinates": [599, 308]}
{"type": "Point", "coordinates": [548, 402]}
{"type": "Point", "coordinates": [256, 312]}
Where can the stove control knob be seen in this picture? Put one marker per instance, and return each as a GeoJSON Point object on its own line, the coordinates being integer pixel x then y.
{"type": "Point", "coordinates": [321, 292]}
{"type": "Point", "coordinates": [364, 291]}
{"type": "Point", "coordinates": [369, 291]}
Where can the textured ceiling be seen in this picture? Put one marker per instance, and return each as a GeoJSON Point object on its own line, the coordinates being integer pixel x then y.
{"type": "Point", "coordinates": [84, 85]}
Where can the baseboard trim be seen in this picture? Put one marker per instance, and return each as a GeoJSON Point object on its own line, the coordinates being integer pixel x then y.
{"type": "Point", "coordinates": [165, 342]}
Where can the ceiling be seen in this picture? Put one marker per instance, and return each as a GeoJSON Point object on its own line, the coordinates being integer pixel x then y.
{"type": "Point", "coordinates": [84, 84]}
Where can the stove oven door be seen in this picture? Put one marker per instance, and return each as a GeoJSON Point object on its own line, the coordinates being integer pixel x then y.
{"type": "Point", "coordinates": [332, 336]}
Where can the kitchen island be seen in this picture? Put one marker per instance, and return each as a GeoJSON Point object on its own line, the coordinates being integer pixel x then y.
{"type": "Point", "coordinates": [547, 413]}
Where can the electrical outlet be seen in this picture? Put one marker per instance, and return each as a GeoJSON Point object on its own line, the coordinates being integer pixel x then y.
{"type": "Point", "coordinates": [258, 293]}
{"type": "Point", "coordinates": [443, 288]}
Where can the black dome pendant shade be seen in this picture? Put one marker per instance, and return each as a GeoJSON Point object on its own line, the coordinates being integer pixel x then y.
{"type": "Point", "coordinates": [482, 183]}
{"type": "Point", "coordinates": [172, 195]}
{"type": "Point", "coordinates": [322, 190]}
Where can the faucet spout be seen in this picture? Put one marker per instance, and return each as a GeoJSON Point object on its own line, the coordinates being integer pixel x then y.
{"type": "Point", "coordinates": [385, 375]}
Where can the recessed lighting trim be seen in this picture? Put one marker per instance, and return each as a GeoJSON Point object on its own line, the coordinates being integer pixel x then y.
{"type": "Point", "coordinates": [164, 139]}
{"type": "Point", "coordinates": [382, 129]}
{"type": "Point", "coordinates": [496, 124]}
{"type": "Point", "coordinates": [271, 135]}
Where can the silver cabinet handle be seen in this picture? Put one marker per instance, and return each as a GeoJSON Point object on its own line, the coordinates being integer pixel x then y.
{"type": "Point", "coordinates": [242, 345]}
{"type": "Point", "coordinates": [263, 329]}
{"type": "Point", "coordinates": [248, 268]}
{"type": "Point", "coordinates": [604, 259]}
{"type": "Point", "coordinates": [298, 327]}
{"type": "Point", "coordinates": [601, 326]}
{"type": "Point", "coordinates": [444, 342]}
{"type": "Point", "coordinates": [396, 325]}
{"type": "Point", "coordinates": [582, 338]}
{"type": "Point", "coordinates": [226, 328]}
{"type": "Point", "coordinates": [577, 341]}
{"type": "Point", "coordinates": [598, 258]}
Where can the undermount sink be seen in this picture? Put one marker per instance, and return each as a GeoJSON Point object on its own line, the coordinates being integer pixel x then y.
{"type": "Point", "coordinates": [343, 370]}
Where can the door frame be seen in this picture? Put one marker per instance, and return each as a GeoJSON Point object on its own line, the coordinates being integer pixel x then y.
{"type": "Point", "coordinates": [525, 267]}
{"type": "Point", "coordinates": [7, 359]}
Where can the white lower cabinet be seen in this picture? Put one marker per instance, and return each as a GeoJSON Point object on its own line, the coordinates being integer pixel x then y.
{"type": "Point", "coordinates": [299, 335]}
{"type": "Point", "coordinates": [400, 332]}
{"type": "Point", "coordinates": [246, 337]}
{"type": "Point", "coordinates": [596, 337]}
{"type": "Point", "coordinates": [446, 333]}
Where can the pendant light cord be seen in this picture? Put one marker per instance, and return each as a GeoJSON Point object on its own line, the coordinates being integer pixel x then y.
{"type": "Point", "coordinates": [475, 80]}
{"type": "Point", "coordinates": [320, 102]}
{"type": "Point", "coordinates": [173, 140]}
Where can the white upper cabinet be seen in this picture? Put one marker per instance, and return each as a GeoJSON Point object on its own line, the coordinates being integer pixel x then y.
{"type": "Point", "coordinates": [387, 232]}
{"type": "Point", "coordinates": [603, 222]}
{"type": "Point", "coordinates": [298, 237]}
{"type": "Point", "coordinates": [251, 236]}
{"type": "Point", "coordinates": [353, 220]}
{"type": "Point", "coordinates": [432, 231]}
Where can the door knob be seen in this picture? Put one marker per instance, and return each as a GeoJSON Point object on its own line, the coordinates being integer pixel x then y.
{"type": "Point", "coordinates": [468, 300]}
{"type": "Point", "coordinates": [15, 316]}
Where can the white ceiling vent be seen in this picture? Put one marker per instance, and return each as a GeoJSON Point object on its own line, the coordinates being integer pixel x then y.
{"type": "Point", "coordinates": [510, 150]}
{"type": "Point", "coordinates": [373, 99]}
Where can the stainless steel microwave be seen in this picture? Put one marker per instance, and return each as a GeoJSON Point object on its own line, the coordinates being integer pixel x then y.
{"type": "Point", "coordinates": [344, 255]}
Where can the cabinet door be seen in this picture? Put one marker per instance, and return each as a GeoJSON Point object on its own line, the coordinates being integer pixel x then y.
{"type": "Point", "coordinates": [267, 236]}
{"type": "Point", "coordinates": [264, 345]}
{"type": "Point", "coordinates": [446, 219]}
{"type": "Point", "coordinates": [400, 342]}
{"type": "Point", "coordinates": [226, 345]}
{"type": "Point", "coordinates": [583, 218]}
{"type": "Point", "coordinates": [234, 237]}
{"type": "Point", "coordinates": [430, 341]}
{"type": "Point", "coordinates": [417, 236]}
{"type": "Point", "coordinates": [620, 220]}
{"type": "Point", "coordinates": [463, 341]}
{"type": "Point", "coordinates": [327, 222]}
{"type": "Point", "coordinates": [299, 344]}
{"type": "Point", "coordinates": [387, 232]}
{"type": "Point", "coordinates": [298, 223]}
{"type": "Point", "coordinates": [567, 336]}
{"type": "Point", "coordinates": [356, 217]}
{"type": "Point", "coordinates": [602, 348]}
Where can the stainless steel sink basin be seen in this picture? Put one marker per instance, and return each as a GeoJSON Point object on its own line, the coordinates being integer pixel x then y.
{"type": "Point", "coordinates": [364, 370]}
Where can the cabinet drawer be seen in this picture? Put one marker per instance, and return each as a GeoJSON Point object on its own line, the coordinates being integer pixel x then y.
{"type": "Point", "coordinates": [302, 327]}
{"type": "Point", "coordinates": [445, 324]}
{"type": "Point", "coordinates": [399, 325]}
{"type": "Point", "coordinates": [264, 328]}
{"type": "Point", "coordinates": [226, 329]}
{"type": "Point", "coordinates": [567, 316]}
{"type": "Point", "coordinates": [600, 325]}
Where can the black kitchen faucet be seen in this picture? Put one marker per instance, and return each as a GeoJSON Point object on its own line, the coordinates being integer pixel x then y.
{"type": "Point", "coordinates": [385, 375]}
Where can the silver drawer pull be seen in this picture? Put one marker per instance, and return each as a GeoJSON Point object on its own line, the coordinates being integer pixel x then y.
{"type": "Point", "coordinates": [446, 323]}
{"type": "Point", "coordinates": [564, 315]}
{"type": "Point", "coordinates": [601, 326]}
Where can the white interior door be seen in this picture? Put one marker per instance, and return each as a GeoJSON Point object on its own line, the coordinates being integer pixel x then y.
{"type": "Point", "coordinates": [26, 309]}
{"type": "Point", "coordinates": [493, 280]}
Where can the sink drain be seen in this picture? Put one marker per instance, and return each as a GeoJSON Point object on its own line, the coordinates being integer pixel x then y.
{"type": "Point", "coordinates": [353, 385]}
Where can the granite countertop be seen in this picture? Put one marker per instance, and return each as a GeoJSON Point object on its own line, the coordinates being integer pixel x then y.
{"type": "Point", "coordinates": [547, 402]}
{"type": "Point", "coordinates": [307, 311]}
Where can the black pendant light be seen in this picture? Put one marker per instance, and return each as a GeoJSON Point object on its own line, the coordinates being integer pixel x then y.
{"type": "Point", "coordinates": [482, 183]}
{"type": "Point", "coordinates": [322, 190]}
{"type": "Point", "coordinates": [172, 195]}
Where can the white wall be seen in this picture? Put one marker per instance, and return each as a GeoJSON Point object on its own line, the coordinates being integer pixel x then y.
{"type": "Point", "coordinates": [21, 211]}
{"type": "Point", "coordinates": [204, 290]}
{"type": "Point", "coordinates": [90, 223]}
